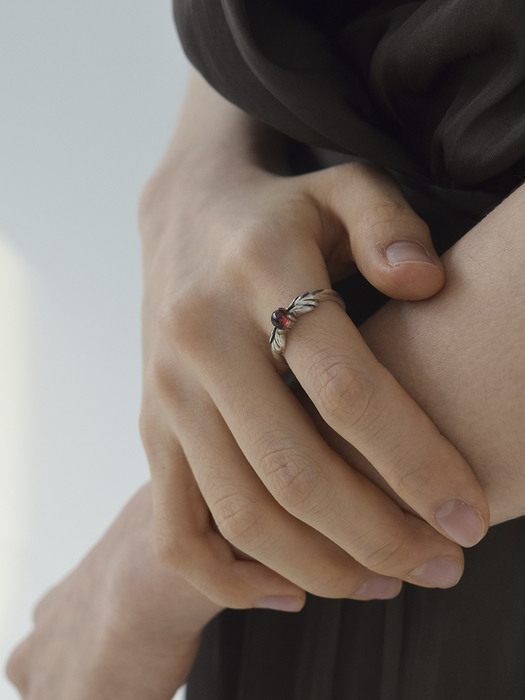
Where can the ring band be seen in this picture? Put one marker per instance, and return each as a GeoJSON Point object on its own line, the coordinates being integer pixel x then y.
{"type": "Point", "coordinates": [284, 319]}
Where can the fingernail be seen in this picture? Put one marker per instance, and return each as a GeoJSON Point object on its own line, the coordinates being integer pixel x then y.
{"type": "Point", "coordinates": [380, 587]}
{"type": "Point", "coordinates": [285, 603]}
{"type": "Point", "coordinates": [441, 572]}
{"type": "Point", "coordinates": [406, 252]}
{"type": "Point", "coordinates": [461, 522]}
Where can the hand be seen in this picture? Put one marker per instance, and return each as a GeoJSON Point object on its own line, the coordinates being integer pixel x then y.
{"type": "Point", "coordinates": [225, 243]}
{"type": "Point", "coordinates": [120, 627]}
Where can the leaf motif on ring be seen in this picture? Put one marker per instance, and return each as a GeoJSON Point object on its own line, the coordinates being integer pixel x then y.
{"type": "Point", "coordinates": [284, 319]}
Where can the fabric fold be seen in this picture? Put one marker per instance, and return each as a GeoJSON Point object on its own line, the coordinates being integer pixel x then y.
{"type": "Point", "coordinates": [432, 88]}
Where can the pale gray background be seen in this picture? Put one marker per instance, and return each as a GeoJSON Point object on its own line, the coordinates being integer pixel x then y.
{"type": "Point", "coordinates": [90, 92]}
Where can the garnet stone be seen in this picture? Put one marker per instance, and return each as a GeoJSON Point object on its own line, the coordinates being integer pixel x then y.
{"type": "Point", "coordinates": [281, 319]}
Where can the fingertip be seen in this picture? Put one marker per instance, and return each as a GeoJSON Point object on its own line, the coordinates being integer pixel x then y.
{"type": "Point", "coordinates": [283, 603]}
{"type": "Point", "coordinates": [379, 588]}
{"type": "Point", "coordinates": [461, 522]}
{"type": "Point", "coordinates": [439, 572]}
{"type": "Point", "coordinates": [410, 251]}
{"type": "Point", "coordinates": [256, 586]}
{"type": "Point", "coordinates": [413, 272]}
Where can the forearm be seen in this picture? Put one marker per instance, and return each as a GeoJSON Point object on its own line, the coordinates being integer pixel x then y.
{"type": "Point", "coordinates": [461, 354]}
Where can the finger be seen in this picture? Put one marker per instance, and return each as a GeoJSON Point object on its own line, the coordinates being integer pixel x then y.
{"type": "Point", "coordinates": [389, 242]}
{"type": "Point", "coordinates": [364, 404]}
{"type": "Point", "coordinates": [185, 540]}
{"type": "Point", "coordinates": [314, 484]}
{"type": "Point", "coordinates": [252, 521]}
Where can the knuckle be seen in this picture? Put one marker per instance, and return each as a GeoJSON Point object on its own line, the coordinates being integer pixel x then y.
{"type": "Point", "coordinates": [161, 378]}
{"type": "Point", "coordinates": [182, 318]}
{"type": "Point", "coordinates": [243, 253]}
{"type": "Point", "coordinates": [407, 476]}
{"type": "Point", "coordinates": [333, 584]}
{"type": "Point", "coordinates": [164, 388]}
{"type": "Point", "coordinates": [390, 216]}
{"type": "Point", "coordinates": [382, 211]}
{"type": "Point", "coordinates": [387, 558]}
{"type": "Point", "coordinates": [228, 595]}
{"type": "Point", "coordinates": [159, 454]}
{"type": "Point", "coordinates": [354, 172]}
{"type": "Point", "coordinates": [345, 394]}
{"type": "Point", "coordinates": [250, 252]}
{"type": "Point", "coordinates": [294, 482]}
{"type": "Point", "coordinates": [170, 552]}
{"type": "Point", "coordinates": [232, 591]}
{"type": "Point", "coordinates": [244, 250]}
{"type": "Point", "coordinates": [239, 522]}
{"type": "Point", "coordinates": [368, 179]}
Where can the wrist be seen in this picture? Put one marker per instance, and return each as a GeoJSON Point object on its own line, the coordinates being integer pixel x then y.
{"type": "Point", "coordinates": [215, 145]}
{"type": "Point", "coordinates": [213, 129]}
{"type": "Point", "coordinates": [141, 593]}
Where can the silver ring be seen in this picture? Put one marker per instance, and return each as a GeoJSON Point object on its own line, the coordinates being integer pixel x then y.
{"type": "Point", "coordinates": [283, 319]}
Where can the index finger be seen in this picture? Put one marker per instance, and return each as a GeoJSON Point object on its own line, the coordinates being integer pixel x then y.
{"type": "Point", "coordinates": [364, 404]}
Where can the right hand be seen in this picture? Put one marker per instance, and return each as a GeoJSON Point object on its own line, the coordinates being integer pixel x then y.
{"type": "Point", "coordinates": [224, 245]}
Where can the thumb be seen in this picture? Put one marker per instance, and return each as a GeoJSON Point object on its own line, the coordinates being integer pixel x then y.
{"type": "Point", "coordinates": [390, 244]}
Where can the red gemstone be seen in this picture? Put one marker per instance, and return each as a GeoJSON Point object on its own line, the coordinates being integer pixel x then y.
{"type": "Point", "coordinates": [281, 319]}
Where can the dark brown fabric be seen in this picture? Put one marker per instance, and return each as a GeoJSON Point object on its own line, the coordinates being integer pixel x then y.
{"type": "Point", "coordinates": [435, 87]}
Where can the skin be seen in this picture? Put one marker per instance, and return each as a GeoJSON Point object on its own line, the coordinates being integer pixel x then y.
{"type": "Point", "coordinates": [219, 216]}
{"type": "Point", "coordinates": [122, 591]}
{"type": "Point", "coordinates": [127, 626]}
{"type": "Point", "coordinates": [467, 362]}
{"type": "Point", "coordinates": [460, 355]}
